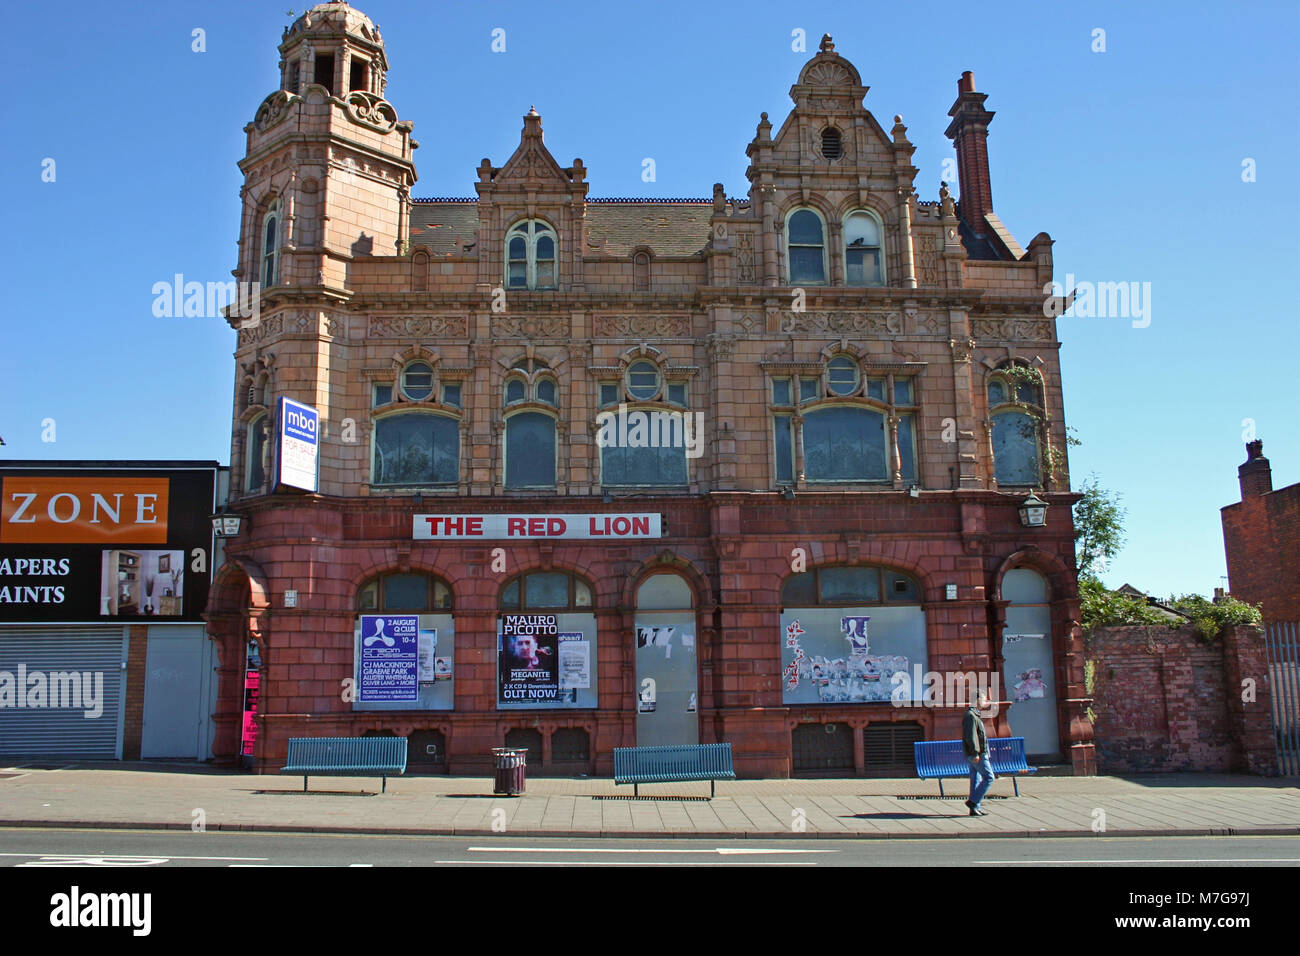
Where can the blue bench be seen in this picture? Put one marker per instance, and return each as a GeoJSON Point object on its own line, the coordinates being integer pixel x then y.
{"type": "Point", "coordinates": [638, 765]}
{"type": "Point", "coordinates": [346, 757]}
{"type": "Point", "coordinates": [946, 758]}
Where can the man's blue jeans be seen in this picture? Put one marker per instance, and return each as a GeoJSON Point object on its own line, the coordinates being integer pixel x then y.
{"type": "Point", "coordinates": [981, 778]}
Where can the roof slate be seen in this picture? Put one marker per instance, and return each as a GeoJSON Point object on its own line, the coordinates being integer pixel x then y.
{"type": "Point", "coordinates": [614, 227]}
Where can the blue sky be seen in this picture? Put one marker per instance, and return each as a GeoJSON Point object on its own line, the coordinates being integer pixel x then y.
{"type": "Point", "coordinates": [1130, 158]}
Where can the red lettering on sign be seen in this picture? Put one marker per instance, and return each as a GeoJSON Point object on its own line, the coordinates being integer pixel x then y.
{"type": "Point", "coordinates": [556, 527]}
{"type": "Point", "coordinates": [515, 526]}
{"type": "Point", "coordinates": [433, 525]}
{"type": "Point", "coordinates": [595, 528]}
{"type": "Point", "coordinates": [641, 525]}
{"type": "Point", "coordinates": [621, 525]}
{"type": "Point", "coordinates": [474, 526]}
{"type": "Point", "coordinates": [454, 525]}
{"type": "Point", "coordinates": [537, 527]}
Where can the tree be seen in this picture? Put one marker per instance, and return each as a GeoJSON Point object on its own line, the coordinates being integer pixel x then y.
{"type": "Point", "coordinates": [1098, 527]}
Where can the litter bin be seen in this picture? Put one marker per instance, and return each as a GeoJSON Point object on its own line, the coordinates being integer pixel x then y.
{"type": "Point", "coordinates": [512, 770]}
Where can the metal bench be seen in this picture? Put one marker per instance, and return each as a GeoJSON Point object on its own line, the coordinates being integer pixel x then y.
{"type": "Point", "coordinates": [638, 765]}
{"type": "Point", "coordinates": [346, 757]}
{"type": "Point", "coordinates": [946, 758]}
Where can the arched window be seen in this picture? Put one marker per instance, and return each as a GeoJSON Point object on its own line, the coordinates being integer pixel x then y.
{"type": "Point", "coordinates": [530, 256]}
{"type": "Point", "coordinates": [407, 592]}
{"type": "Point", "coordinates": [646, 447]}
{"type": "Point", "coordinates": [846, 631]}
{"type": "Point", "coordinates": [1015, 397]}
{"type": "Point", "coordinates": [864, 263]}
{"type": "Point", "coordinates": [386, 607]}
{"type": "Point", "coordinates": [271, 246]}
{"type": "Point", "coordinates": [546, 591]}
{"type": "Point", "coordinates": [806, 245]}
{"type": "Point", "coordinates": [845, 420]}
{"type": "Point", "coordinates": [416, 448]}
{"type": "Point", "coordinates": [530, 450]}
{"type": "Point", "coordinates": [258, 454]}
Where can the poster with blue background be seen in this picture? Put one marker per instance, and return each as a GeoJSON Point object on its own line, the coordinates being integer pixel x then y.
{"type": "Point", "coordinates": [390, 655]}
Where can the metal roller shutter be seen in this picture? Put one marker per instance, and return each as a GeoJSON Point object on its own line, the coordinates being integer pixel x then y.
{"type": "Point", "coordinates": [49, 731]}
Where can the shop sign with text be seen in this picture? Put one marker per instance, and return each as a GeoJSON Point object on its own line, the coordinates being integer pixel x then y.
{"type": "Point", "coordinates": [508, 527]}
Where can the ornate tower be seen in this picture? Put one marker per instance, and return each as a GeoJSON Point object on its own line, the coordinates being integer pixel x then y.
{"type": "Point", "coordinates": [328, 168]}
{"type": "Point", "coordinates": [327, 179]}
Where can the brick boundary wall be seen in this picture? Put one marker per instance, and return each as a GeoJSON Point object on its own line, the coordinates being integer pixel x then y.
{"type": "Point", "coordinates": [1167, 701]}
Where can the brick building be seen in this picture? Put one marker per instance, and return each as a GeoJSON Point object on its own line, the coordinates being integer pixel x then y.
{"type": "Point", "coordinates": [1261, 538]}
{"type": "Point", "coordinates": [787, 436]}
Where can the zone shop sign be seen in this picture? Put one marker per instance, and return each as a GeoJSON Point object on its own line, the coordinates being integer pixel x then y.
{"type": "Point", "coordinates": [507, 527]}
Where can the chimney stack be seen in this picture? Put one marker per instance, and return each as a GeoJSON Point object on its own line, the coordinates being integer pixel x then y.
{"type": "Point", "coordinates": [1256, 475]}
{"type": "Point", "coordinates": [969, 133]}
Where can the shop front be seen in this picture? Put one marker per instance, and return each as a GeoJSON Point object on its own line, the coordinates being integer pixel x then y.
{"type": "Point", "coordinates": [104, 572]}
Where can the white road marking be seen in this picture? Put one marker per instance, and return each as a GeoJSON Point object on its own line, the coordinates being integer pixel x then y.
{"type": "Point", "coordinates": [1261, 859]}
{"type": "Point", "coordinates": [121, 856]}
{"type": "Point", "coordinates": [723, 851]}
{"type": "Point", "coordinates": [617, 863]}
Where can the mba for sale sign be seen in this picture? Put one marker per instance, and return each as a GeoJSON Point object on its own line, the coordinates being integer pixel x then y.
{"type": "Point", "coordinates": [299, 444]}
{"type": "Point", "coordinates": [390, 657]}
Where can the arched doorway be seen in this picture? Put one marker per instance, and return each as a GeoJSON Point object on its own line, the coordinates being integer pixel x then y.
{"type": "Point", "coordinates": [1028, 669]}
{"type": "Point", "coordinates": [667, 674]}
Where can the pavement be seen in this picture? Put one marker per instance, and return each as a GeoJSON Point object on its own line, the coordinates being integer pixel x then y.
{"type": "Point", "coordinates": [150, 795]}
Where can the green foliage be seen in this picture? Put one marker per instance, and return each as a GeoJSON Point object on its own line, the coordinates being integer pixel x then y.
{"type": "Point", "coordinates": [1098, 527]}
{"type": "Point", "coordinates": [1210, 618]}
{"type": "Point", "coordinates": [1099, 607]}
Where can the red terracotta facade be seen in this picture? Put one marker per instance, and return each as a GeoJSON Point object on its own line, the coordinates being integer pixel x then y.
{"type": "Point", "coordinates": [368, 283]}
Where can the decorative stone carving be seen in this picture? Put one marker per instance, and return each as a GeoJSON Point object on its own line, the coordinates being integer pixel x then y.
{"type": "Point", "coordinates": [1012, 330]}
{"type": "Point", "coordinates": [648, 326]}
{"type": "Point", "coordinates": [745, 257]}
{"type": "Point", "coordinates": [334, 325]}
{"type": "Point", "coordinates": [274, 325]}
{"type": "Point", "coordinates": [721, 347]}
{"type": "Point", "coordinates": [828, 74]}
{"type": "Point", "coordinates": [273, 109]}
{"type": "Point", "coordinates": [417, 326]}
{"type": "Point", "coordinates": [747, 323]}
{"type": "Point", "coordinates": [961, 349]}
{"type": "Point", "coordinates": [876, 323]}
{"type": "Point", "coordinates": [371, 110]}
{"type": "Point", "coordinates": [545, 326]}
{"type": "Point", "coordinates": [927, 323]}
{"type": "Point", "coordinates": [928, 251]}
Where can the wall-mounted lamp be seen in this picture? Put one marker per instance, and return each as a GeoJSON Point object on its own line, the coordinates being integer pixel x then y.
{"type": "Point", "coordinates": [788, 493]}
{"type": "Point", "coordinates": [914, 491]}
{"type": "Point", "coordinates": [227, 524]}
{"type": "Point", "coordinates": [1033, 511]}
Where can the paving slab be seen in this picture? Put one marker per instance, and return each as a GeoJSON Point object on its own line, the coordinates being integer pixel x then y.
{"type": "Point", "coordinates": [147, 795]}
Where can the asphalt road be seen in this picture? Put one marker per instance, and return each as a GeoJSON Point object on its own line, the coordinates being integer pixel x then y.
{"type": "Point", "coordinates": [28, 847]}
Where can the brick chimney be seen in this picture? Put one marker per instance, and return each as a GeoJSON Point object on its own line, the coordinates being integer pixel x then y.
{"type": "Point", "coordinates": [1256, 475]}
{"type": "Point", "coordinates": [969, 132]}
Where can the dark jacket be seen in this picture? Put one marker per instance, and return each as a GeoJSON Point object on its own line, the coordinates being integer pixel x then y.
{"type": "Point", "coordinates": [974, 741]}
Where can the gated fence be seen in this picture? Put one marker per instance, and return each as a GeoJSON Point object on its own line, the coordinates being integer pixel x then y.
{"type": "Point", "coordinates": [1283, 642]}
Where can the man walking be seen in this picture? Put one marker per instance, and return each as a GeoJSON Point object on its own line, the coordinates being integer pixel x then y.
{"type": "Point", "coordinates": [976, 745]}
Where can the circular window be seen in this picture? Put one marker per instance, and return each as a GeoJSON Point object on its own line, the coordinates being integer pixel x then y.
{"type": "Point", "coordinates": [842, 376]}
{"type": "Point", "coordinates": [417, 382]}
{"type": "Point", "coordinates": [832, 146]}
{"type": "Point", "coordinates": [643, 381]}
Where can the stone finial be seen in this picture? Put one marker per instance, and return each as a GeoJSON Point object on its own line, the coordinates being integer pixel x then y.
{"type": "Point", "coordinates": [764, 131]}
{"type": "Point", "coordinates": [719, 198]}
{"type": "Point", "coordinates": [827, 44]}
